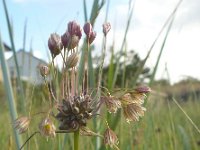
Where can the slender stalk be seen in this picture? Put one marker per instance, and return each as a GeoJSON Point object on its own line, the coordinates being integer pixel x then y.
{"type": "Point", "coordinates": [9, 92]}
{"type": "Point", "coordinates": [15, 57]}
{"type": "Point", "coordinates": [76, 140]}
{"type": "Point", "coordinates": [187, 116]}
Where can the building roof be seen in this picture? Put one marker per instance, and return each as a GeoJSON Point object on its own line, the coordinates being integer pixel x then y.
{"type": "Point", "coordinates": [28, 53]}
{"type": "Point", "coordinates": [6, 47]}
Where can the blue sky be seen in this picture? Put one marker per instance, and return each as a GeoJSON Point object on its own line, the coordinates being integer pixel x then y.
{"type": "Point", "coordinates": [182, 50]}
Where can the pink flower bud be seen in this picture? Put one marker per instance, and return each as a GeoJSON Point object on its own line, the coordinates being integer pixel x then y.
{"type": "Point", "coordinates": [65, 39]}
{"type": "Point", "coordinates": [55, 44]}
{"type": "Point", "coordinates": [92, 37]}
{"type": "Point", "coordinates": [87, 29]}
{"type": "Point", "coordinates": [74, 29]}
{"type": "Point", "coordinates": [106, 28]}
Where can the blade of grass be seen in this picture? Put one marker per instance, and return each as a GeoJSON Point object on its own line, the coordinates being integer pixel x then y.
{"type": "Point", "coordinates": [9, 92]}
{"type": "Point", "coordinates": [161, 51]}
{"type": "Point", "coordinates": [14, 54]}
{"type": "Point", "coordinates": [94, 13]}
{"type": "Point", "coordinates": [185, 138]}
{"type": "Point", "coordinates": [190, 120]}
{"type": "Point", "coordinates": [85, 10]}
{"type": "Point", "coordinates": [123, 43]}
{"type": "Point", "coordinates": [140, 68]}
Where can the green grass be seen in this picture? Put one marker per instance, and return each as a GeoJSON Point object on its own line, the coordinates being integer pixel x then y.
{"type": "Point", "coordinates": [163, 127]}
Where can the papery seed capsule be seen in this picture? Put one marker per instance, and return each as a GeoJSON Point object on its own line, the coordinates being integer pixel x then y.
{"type": "Point", "coordinates": [44, 70]}
{"type": "Point", "coordinates": [73, 42]}
{"type": "Point", "coordinates": [47, 128]}
{"type": "Point", "coordinates": [106, 28]}
{"type": "Point", "coordinates": [22, 124]}
{"type": "Point", "coordinates": [110, 138]}
{"type": "Point", "coordinates": [72, 60]}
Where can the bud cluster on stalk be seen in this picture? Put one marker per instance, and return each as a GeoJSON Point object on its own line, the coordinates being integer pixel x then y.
{"type": "Point", "coordinates": [74, 113]}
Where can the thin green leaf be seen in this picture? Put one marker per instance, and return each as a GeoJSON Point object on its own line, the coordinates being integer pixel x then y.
{"type": "Point", "coordinates": [9, 92]}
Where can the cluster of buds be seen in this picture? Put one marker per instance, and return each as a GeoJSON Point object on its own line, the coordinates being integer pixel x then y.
{"type": "Point", "coordinates": [71, 37]}
{"type": "Point", "coordinates": [74, 113]}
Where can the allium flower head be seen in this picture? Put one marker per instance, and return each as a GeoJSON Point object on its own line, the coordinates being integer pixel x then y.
{"type": "Point", "coordinates": [55, 44]}
{"type": "Point", "coordinates": [74, 113]}
{"type": "Point", "coordinates": [132, 112]}
{"type": "Point", "coordinates": [22, 124]}
{"type": "Point", "coordinates": [110, 138]}
{"type": "Point", "coordinates": [47, 128]}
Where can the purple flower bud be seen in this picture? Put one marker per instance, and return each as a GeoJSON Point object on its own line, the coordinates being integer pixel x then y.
{"type": "Point", "coordinates": [143, 89]}
{"type": "Point", "coordinates": [55, 44]}
{"type": "Point", "coordinates": [92, 37]}
{"type": "Point", "coordinates": [87, 29]}
{"type": "Point", "coordinates": [106, 28]}
{"type": "Point", "coordinates": [65, 39]}
{"type": "Point", "coordinates": [74, 29]}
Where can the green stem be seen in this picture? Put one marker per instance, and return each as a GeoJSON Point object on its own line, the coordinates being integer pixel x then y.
{"type": "Point", "coordinates": [76, 140]}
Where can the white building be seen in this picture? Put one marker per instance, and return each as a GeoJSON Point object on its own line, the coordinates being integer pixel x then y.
{"type": "Point", "coordinates": [28, 67]}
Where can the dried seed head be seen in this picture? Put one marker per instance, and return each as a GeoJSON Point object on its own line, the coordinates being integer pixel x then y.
{"type": "Point", "coordinates": [92, 37]}
{"type": "Point", "coordinates": [55, 44]}
{"type": "Point", "coordinates": [133, 111]}
{"type": "Point", "coordinates": [44, 70]}
{"type": "Point", "coordinates": [21, 124]}
{"type": "Point", "coordinates": [47, 128]}
{"type": "Point", "coordinates": [106, 28]}
{"type": "Point", "coordinates": [85, 131]}
{"type": "Point", "coordinates": [72, 60]}
{"type": "Point", "coordinates": [110, 138]}
{"type": "Point", "coordinates": [126, 99]}
{"type": "Point", "coordinates": [111, 103]}
{"type": "Point", "coordinates": [132, 97]}
{"type": "Point", "coordinates": [87, 29]}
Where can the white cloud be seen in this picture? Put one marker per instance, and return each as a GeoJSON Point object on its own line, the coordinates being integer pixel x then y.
{"type": "Point", "coordinates": [182, 49]}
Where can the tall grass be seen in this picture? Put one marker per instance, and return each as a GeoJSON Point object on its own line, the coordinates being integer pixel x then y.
{"type": "Point", "coordinates": [9, 92]}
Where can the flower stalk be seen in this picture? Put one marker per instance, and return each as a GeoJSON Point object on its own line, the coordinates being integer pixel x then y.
{"type": "Point", "coordinates": [76, 140]}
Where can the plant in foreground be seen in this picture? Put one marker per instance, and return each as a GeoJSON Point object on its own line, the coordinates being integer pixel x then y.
{"type": "Point", "coordinates": [77, 103]}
